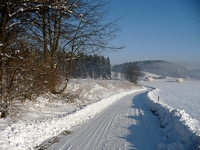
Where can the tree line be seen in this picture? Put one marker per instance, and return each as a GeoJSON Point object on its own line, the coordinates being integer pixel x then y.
{"type": "Point", "coordinates": [39, 40]}
{"type": "Point", "coordinates": [91, 66]}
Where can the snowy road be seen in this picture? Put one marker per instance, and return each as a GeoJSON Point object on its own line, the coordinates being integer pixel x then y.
{"type": "Point", "coordinates": [127, 124]}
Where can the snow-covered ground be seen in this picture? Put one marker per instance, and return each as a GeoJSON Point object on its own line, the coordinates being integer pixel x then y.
{"type": "Point", "coordinates": [79, 93]}
{"type": "Point", "coordinates": [125, 125]}
{"type": "Point", "coordinates": [177, 106]}
{"type": "Point", "coordinates": [52, 116]}
{"type": "Point", "coordinates": [184, 95]}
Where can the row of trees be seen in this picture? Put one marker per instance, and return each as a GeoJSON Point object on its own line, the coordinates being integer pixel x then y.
{"type": "Point", "coordinates": [129, 71]}
{"type": "Point", "coordinates": [91, 66]}
{"type": "Point", "coordinates": [38, 37]}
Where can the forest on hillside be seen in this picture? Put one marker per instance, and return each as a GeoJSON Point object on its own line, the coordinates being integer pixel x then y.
{"type": "Point", "coordinates": [155, 66]}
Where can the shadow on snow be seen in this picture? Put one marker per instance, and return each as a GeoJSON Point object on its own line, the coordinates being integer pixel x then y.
{"type": "Point", "coordinates": [144, 131]}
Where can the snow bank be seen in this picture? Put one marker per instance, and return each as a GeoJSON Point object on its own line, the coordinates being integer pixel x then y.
{"type": "Point", "coordinates": [29, 134]}
{"type": "Point", "coordinates": [184, 96]}
{"type": "Point", "coordinates": [183, 130]}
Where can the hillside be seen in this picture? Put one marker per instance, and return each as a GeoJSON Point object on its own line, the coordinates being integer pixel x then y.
{"type": "Point", "coordinates": [194, 73]}
{"type": "Point", "coordinates": [156, 66]}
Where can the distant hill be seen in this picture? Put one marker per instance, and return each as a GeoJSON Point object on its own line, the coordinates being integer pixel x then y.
{"type": "Point", "coordinates": [159, 67]}
{"type": "Point", "coordinates": [194, 73]}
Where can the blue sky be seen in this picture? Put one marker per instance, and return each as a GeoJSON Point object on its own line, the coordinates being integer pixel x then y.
{"type": "Point", "coordinates": [158, 30]}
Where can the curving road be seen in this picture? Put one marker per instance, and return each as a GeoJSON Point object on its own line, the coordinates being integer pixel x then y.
{"type": "Point", "coordinates": [125, 125]}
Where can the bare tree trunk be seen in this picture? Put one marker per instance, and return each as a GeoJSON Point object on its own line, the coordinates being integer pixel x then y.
{"type": "Point", "coordinates": [54, 37]}
{"type": "Point", "coordinates": [46, 53]}
{"type": "Point", "coordinates": [3, 91]}
{"type": "Point", "coordinates": [3, 23]}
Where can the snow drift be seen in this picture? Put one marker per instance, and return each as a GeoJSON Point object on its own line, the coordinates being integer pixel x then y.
{"type": "Point", "coordinates": [182, 129]}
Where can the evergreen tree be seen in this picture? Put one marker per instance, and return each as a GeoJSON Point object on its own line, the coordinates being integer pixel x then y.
{"type": "Point", "coordinates": [91, 66]}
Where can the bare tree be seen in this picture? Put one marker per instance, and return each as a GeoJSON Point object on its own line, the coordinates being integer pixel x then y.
{"type": "Point", "coordinates": [132, 73]}
{"type": "Point", "coordinates": [89, 30]}
{"type": "Point", "coordinates": [73, 27]}
{"type": "Point", "coordinates": [7, 25]}
{"type": "Point", "coordinates": [37, 37]}
{"type": "Point", "coordinates": [20, 74]}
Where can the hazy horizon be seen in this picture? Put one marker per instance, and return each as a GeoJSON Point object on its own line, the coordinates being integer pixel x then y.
{"type": "Point", "coordinates": [158, 30]}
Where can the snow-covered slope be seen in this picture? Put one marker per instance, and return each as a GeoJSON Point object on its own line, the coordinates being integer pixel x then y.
{"type": "Point", "coordinates": [52, 114]}
{"type": "Point", "coordinates": [160, 67]}
{"type": "Point", "coordinates": [79, 93]}
{"type": "Point", "coordinates": [29, 134]}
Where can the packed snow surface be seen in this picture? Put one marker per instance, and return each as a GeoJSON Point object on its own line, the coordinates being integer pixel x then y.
{"type": "Point", "coordinates": [126, 124]}
{"type": "Point", "coordinates": [133, 120]}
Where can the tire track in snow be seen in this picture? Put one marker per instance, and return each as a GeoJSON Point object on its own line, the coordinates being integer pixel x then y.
{"type": "Point", "coordinates": [123, 125]}
{"type": "Point", "coordinates": [112, 117]}
{"type": "Point", "coordinates": [94, 137]}
{"type": "Point", "coordinates": [142, 129]}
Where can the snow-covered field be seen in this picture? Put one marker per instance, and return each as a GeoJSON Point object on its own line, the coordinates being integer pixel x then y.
{"type": "Point", "coordinates": [184, 96]}
{"type": "Point", "coordinates": [177, 106]}
{"type": "Point", "coordinates": [52, 115]}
